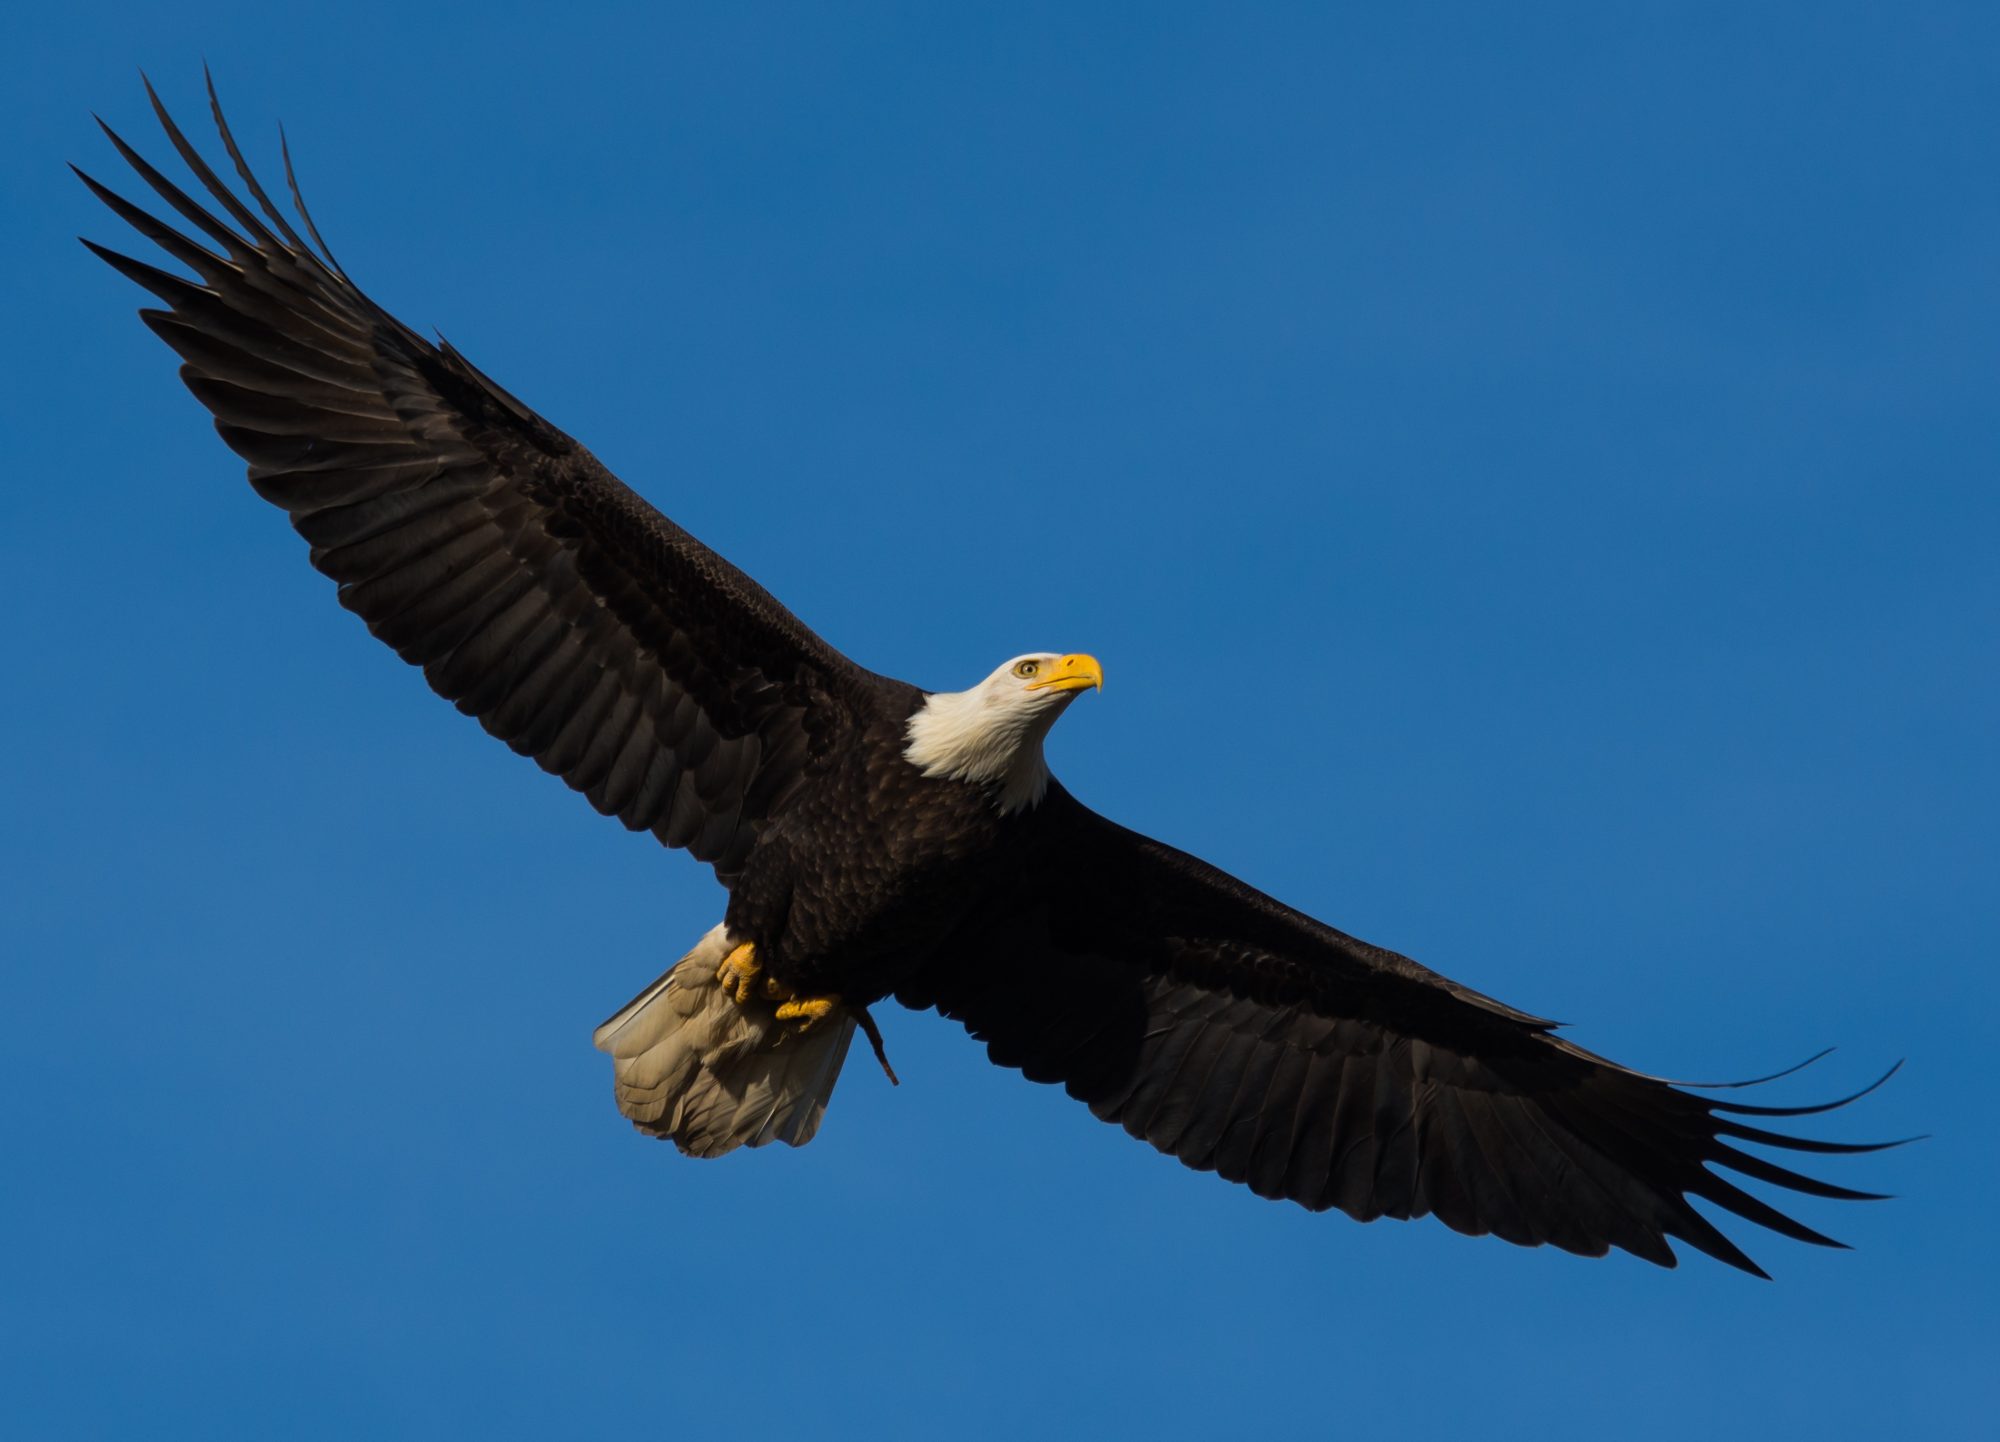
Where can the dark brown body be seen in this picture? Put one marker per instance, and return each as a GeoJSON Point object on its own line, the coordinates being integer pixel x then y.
{"type": "Point", "coordinates": [860, 921]}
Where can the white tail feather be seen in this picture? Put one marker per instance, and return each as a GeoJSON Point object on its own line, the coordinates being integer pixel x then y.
{"type": "Point", "coordinates": [691, 1065]}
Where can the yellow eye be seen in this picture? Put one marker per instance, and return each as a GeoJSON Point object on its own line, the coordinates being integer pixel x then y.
{"type": "Point", "coordinates": [1027, 669]}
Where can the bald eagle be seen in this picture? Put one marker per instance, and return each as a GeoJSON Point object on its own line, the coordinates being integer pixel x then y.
{"type": "Point", "coordinates": [877, 840]}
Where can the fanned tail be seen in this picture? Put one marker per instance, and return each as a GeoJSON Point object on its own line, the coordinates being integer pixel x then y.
{"type": "Point", "coordinates": [694, 1067]}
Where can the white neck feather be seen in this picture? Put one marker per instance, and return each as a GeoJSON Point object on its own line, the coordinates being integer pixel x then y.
{"type": "Point", "coordinates": [970, 736]}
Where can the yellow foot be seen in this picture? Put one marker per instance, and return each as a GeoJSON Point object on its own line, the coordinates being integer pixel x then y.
{"type": "Point", "coordinates": [808, 1011]}
{"type": "Point", "coordinates": [775, 990]}
{"type": "Point", "coordinates": [739, 971]}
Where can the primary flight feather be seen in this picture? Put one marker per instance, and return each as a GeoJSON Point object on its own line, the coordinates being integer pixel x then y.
{"type": "Point", "coordinates": [878, 840]}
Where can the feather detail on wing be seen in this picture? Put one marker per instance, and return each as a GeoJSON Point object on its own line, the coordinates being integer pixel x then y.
{"type": "Point", "coordinates": [535, 590]}
{"type": "Point", "coordinates": [1247, 1039]}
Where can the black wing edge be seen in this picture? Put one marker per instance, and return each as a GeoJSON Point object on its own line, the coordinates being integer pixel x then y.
{"type": "Point", "coordinates": [1714, 1152]}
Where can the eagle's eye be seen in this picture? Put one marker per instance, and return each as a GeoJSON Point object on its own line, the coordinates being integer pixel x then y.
{"type": "Point", "coordinates": [1027, 669]}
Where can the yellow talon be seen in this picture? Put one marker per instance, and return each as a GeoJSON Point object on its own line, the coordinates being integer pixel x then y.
{"type": "Point", "coordinates": [738, 971]}
{"type": "Point", "coordinates": [807, 1011]}
{"type": "Point", "coordinates": [742, 977]}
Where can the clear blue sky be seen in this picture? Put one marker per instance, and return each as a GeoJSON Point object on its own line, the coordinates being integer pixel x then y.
{"type": "Point", "coordinates": [1572, 434]}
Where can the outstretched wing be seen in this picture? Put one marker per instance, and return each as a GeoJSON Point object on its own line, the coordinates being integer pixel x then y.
{"type": "Point", "coordinates": [1250, 1040]}
{"type": "Point", "coordinates": [538, 593]}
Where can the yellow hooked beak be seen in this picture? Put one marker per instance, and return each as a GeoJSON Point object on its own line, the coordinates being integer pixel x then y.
{"type": "Point", "coordinates": [1071, 673]}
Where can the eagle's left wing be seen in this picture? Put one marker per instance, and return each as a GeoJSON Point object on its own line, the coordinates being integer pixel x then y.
{"type": "Point", "coordinates": [1245, 1038]}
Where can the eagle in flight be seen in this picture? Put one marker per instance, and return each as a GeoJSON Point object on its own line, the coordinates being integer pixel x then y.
{"type": "Point", "coordinates": [878, 840]}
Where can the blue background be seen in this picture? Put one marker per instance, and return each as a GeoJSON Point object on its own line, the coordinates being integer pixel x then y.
{"type": "Point", "coordinates": [1530, 478]}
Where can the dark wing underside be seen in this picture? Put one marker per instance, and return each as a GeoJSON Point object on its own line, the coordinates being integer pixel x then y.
{"type": "Point", "coordinates": [537, 592]}
{"type": "Point", "coordinates": [1250, 1040]}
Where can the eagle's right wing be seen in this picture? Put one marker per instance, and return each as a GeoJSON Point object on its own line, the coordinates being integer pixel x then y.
{"type": "Point", "coordinates": [538, 593]}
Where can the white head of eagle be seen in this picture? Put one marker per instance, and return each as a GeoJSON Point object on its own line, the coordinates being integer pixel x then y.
{"type": "Point", "coordinates": [992, 734]}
